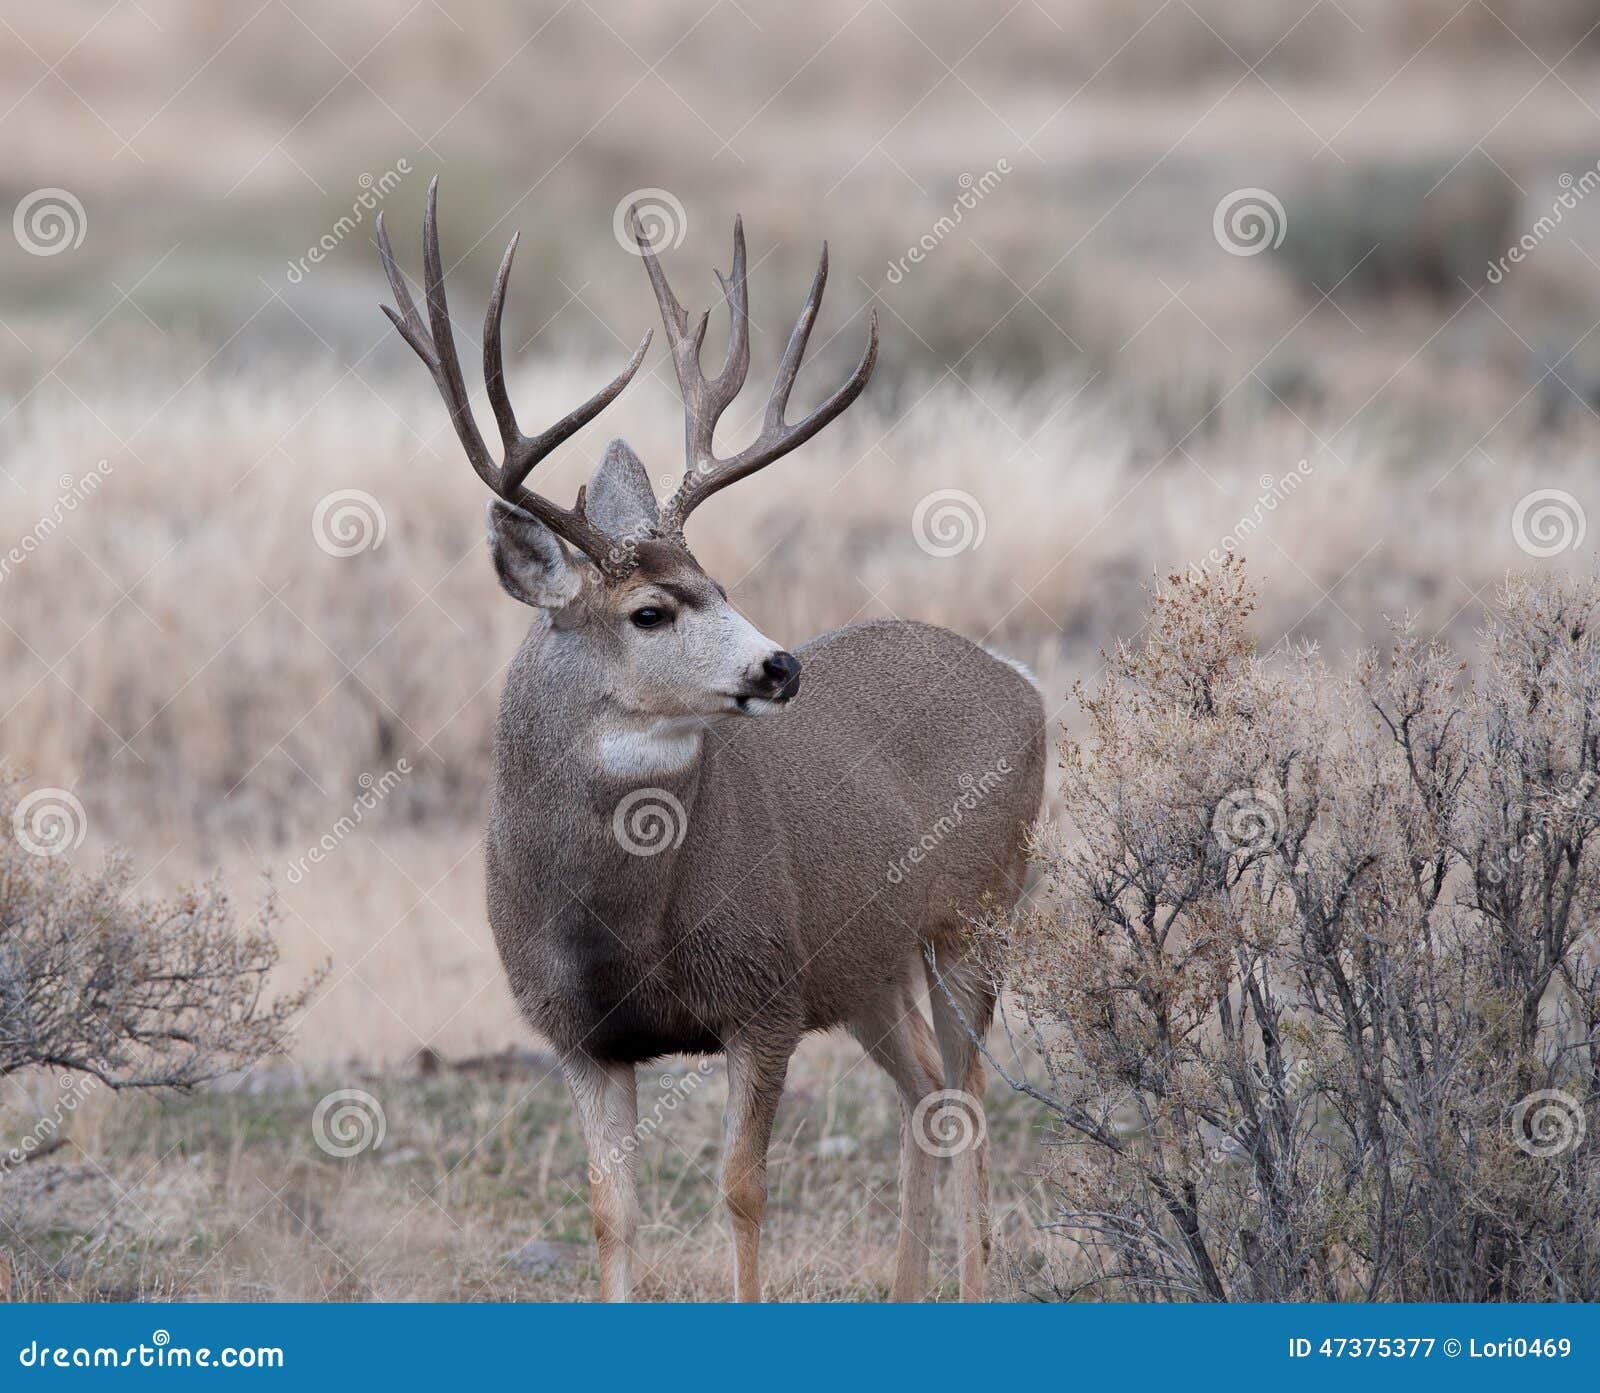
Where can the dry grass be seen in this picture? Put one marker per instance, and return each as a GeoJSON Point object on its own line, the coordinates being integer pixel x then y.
{"type": "Point", "coordinates": [225, 1196]}
{"type": "Point", "coordinates": [1079, 356]}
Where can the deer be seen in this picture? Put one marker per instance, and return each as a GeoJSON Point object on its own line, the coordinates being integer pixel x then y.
{"type": "Point", "coordinates": [701, 843]}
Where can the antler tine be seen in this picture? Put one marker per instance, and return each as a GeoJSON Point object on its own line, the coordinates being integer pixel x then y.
{"type": "Point", "coordinates": [704, 400]}
{"type": "Point", "coordinates": [434, 343]}
{"type": "Point", "coordinates": [706, 474]}
{"type": "Point", "coordinates": [736, 291]}
{"type": "Point", "coordinates": [673, 314]}
{"type": "Point", "coordinates": [795, 349]}
{"type": "Point", "coordinates": [407, 321]}
{"type": "Point", "coordinates": [523, 452]}
{"type": "Point", "coordinates": [416, 333]}
{"type": "Point", "coordinates": [447, 366]}
{"type": "Point", "coordinates": [534, 448]}
{"type": "Point", "coordinates": [494, 374]}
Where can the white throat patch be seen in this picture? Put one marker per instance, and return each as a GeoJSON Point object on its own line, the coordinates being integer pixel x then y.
{"type": "Point", "coordinates": [666, 746]}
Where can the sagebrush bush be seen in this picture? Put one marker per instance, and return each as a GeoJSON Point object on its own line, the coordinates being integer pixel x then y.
{"type": "Point", "coordinates": [1313, 972]}
{"type": "Point", "coordinates": [135, 991]}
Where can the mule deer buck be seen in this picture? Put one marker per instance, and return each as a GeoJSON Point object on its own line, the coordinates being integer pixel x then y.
{"type": "Point", "coordinates": [684, 854]}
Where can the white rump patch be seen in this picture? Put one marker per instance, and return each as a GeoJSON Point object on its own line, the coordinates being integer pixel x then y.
{"type": "Point", "coordinates": [661, 747]}
{"type": "Point", "coordinates": [1018, 667]}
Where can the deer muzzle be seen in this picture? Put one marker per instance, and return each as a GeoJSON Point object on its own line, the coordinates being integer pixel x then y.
{"type": "Point", "coordinates": [778, 682]}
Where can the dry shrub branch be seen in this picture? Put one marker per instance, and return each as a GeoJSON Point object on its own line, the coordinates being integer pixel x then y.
{"type": "Point", "coordinates": [1313, 973]}
{"type": "Point", "coordinates": [135, 991]}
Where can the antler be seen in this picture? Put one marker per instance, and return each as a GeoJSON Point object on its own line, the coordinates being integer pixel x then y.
{"type": "Point", "coordinates": [434, 342]}
{"type": "Point", "coordinates": [705, 400]}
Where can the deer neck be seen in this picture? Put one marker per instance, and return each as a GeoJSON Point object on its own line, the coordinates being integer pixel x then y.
{"type": "Point", "coordinates": [582, 786]}
{"type": "Point", "coordinates": [625, 747]}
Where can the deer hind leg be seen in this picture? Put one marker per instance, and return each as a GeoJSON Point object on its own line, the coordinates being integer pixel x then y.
{"type": "Point", "coordinates": [608, 1109]}
{"type": "Point", "coordinates": [898, 1039]}
{"type": "Point", "coordinates": [756, 1071]}
{"type": "Point", "coordinates": [961, 1129]}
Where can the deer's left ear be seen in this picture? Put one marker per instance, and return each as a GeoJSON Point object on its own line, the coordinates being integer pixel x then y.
{"type": "Point", "coordinates": [619, 498]}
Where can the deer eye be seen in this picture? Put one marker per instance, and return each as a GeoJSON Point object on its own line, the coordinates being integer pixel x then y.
{"type": "Point", "coordinates": [649, 617]}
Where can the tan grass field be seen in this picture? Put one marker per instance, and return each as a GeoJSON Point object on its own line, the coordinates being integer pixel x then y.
{"type": "Point", "coordinates": [222, 1196]}
{"type": "Point", "coordinates": [1099, 387]}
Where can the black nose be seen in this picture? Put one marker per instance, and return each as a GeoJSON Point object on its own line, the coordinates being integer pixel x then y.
{"type": "Point", "coordinates": [783, 674]}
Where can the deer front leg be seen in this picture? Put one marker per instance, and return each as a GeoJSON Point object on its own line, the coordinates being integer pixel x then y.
{"type": "Point", "coordinates": [755, 1084]}
{"type": "Point", "coordinates": [608, 1109]}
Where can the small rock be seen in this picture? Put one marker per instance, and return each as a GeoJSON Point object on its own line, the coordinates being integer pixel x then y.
{"type": "Point", "coordinates": [539, 1258]}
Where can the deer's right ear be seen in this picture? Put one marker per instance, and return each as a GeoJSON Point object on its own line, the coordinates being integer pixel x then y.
{"type": "Point", "coordinates": [532, 564]}
{"type": "Point", "coordinates": [619, 498]}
